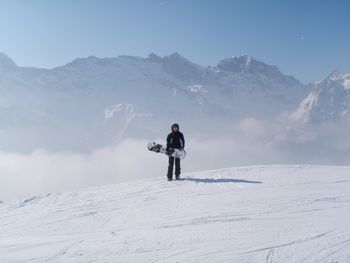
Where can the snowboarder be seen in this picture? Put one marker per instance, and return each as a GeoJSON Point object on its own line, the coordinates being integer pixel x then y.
{"type": "Point", "coordinates": [175, 140]}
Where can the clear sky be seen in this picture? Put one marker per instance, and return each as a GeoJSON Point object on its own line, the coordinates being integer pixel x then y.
{"type": "Point", "coordinates": [307, 39]}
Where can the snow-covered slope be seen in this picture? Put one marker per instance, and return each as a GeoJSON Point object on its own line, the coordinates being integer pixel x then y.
{"type": "Point", "coordinates": [329, 100]}
{"type": "Point", "coordinates": [245, 214]}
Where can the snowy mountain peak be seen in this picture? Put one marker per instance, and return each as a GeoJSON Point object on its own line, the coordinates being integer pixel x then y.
{"type": "Point", "coordinates": [182, 68]}
{"type": "Point", "coordinates": [244, 59]}
{"type": "Point", "coordinates": [247, 64]}
{"type": "Point", "coordinates": [334, 75]}
{"type": "Point", "coordinates": [154, 58]}
{"type": "Point", "coordinates": [236, 63]}
{"type": "Point", "coordinates": [84, 61]}
{"type": "Point", "coordinates": [329, 100]}
{"type": "Point", "coordinates": [335, 80]}
{"type": "Point", "coordinates": [342, 78]}
{"type": "Point", "coordinates": [176, 57]}
{"type": "Point", "coordinates": [6, 61]}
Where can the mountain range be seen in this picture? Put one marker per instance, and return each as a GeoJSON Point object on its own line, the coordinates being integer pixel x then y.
{"type": "Point", "coordinates": [107, 99]}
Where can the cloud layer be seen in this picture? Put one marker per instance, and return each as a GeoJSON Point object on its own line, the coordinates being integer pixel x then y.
{"type": "Point", "coordinates": [249, 142]}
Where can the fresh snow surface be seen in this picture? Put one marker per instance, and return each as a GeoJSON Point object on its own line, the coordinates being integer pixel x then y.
{"type": "Point", "coordinates": [243, 214]}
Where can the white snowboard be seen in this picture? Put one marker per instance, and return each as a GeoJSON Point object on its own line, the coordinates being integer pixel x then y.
{"type": "Point", "coordinates": [158, 148]}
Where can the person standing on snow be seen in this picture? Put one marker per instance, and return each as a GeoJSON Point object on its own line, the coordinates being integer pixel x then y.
{"type": "Point", "coordinates": [175, 140]}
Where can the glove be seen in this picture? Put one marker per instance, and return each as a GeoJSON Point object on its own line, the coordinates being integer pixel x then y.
{"type": "Point", "coordinates": [170, 151]}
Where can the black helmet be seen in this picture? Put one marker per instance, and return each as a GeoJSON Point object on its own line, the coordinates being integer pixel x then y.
{"type": "Point", "coordinates": [175, 125]}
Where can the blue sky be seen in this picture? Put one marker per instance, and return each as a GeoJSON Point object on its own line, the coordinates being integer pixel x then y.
{"type": "Point", "coordinates": [307, 39]}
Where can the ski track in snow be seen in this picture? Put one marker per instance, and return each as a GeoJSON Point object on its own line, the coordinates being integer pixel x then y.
{"type": "Point", "coordinates": [244, 214]}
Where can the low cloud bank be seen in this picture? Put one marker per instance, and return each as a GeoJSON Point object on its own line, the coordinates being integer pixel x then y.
{"type": "Point", "coordinates": [250, 142]}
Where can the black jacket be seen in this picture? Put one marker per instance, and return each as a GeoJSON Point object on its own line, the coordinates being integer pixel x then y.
{"type": "Point", "coordinates": [175, 140]}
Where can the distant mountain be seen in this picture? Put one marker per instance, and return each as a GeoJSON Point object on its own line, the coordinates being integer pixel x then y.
{"type": "Point", "coordinates": [72, 100]}
{"type": "Point", "coordinates": [238, 86]}
{"type": "Point", "coordinates": [329, 100]}
{"type": "Point", "coordinates": [6, 62]}
{"type": "Point", "coordinates": [249, 65]}
{"type": "Point", "coordinates": [260, 90]}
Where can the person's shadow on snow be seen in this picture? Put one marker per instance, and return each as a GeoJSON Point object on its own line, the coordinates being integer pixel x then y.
{"type": "Point", "coordinates": [219, 180]}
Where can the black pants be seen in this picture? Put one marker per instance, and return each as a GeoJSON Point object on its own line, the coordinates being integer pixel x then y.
{"type": "Point", "coordinates": [171, 167]}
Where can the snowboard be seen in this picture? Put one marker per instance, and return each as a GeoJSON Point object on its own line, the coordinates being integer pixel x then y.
{"type": "Point", "coordinates": [158, 148]}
